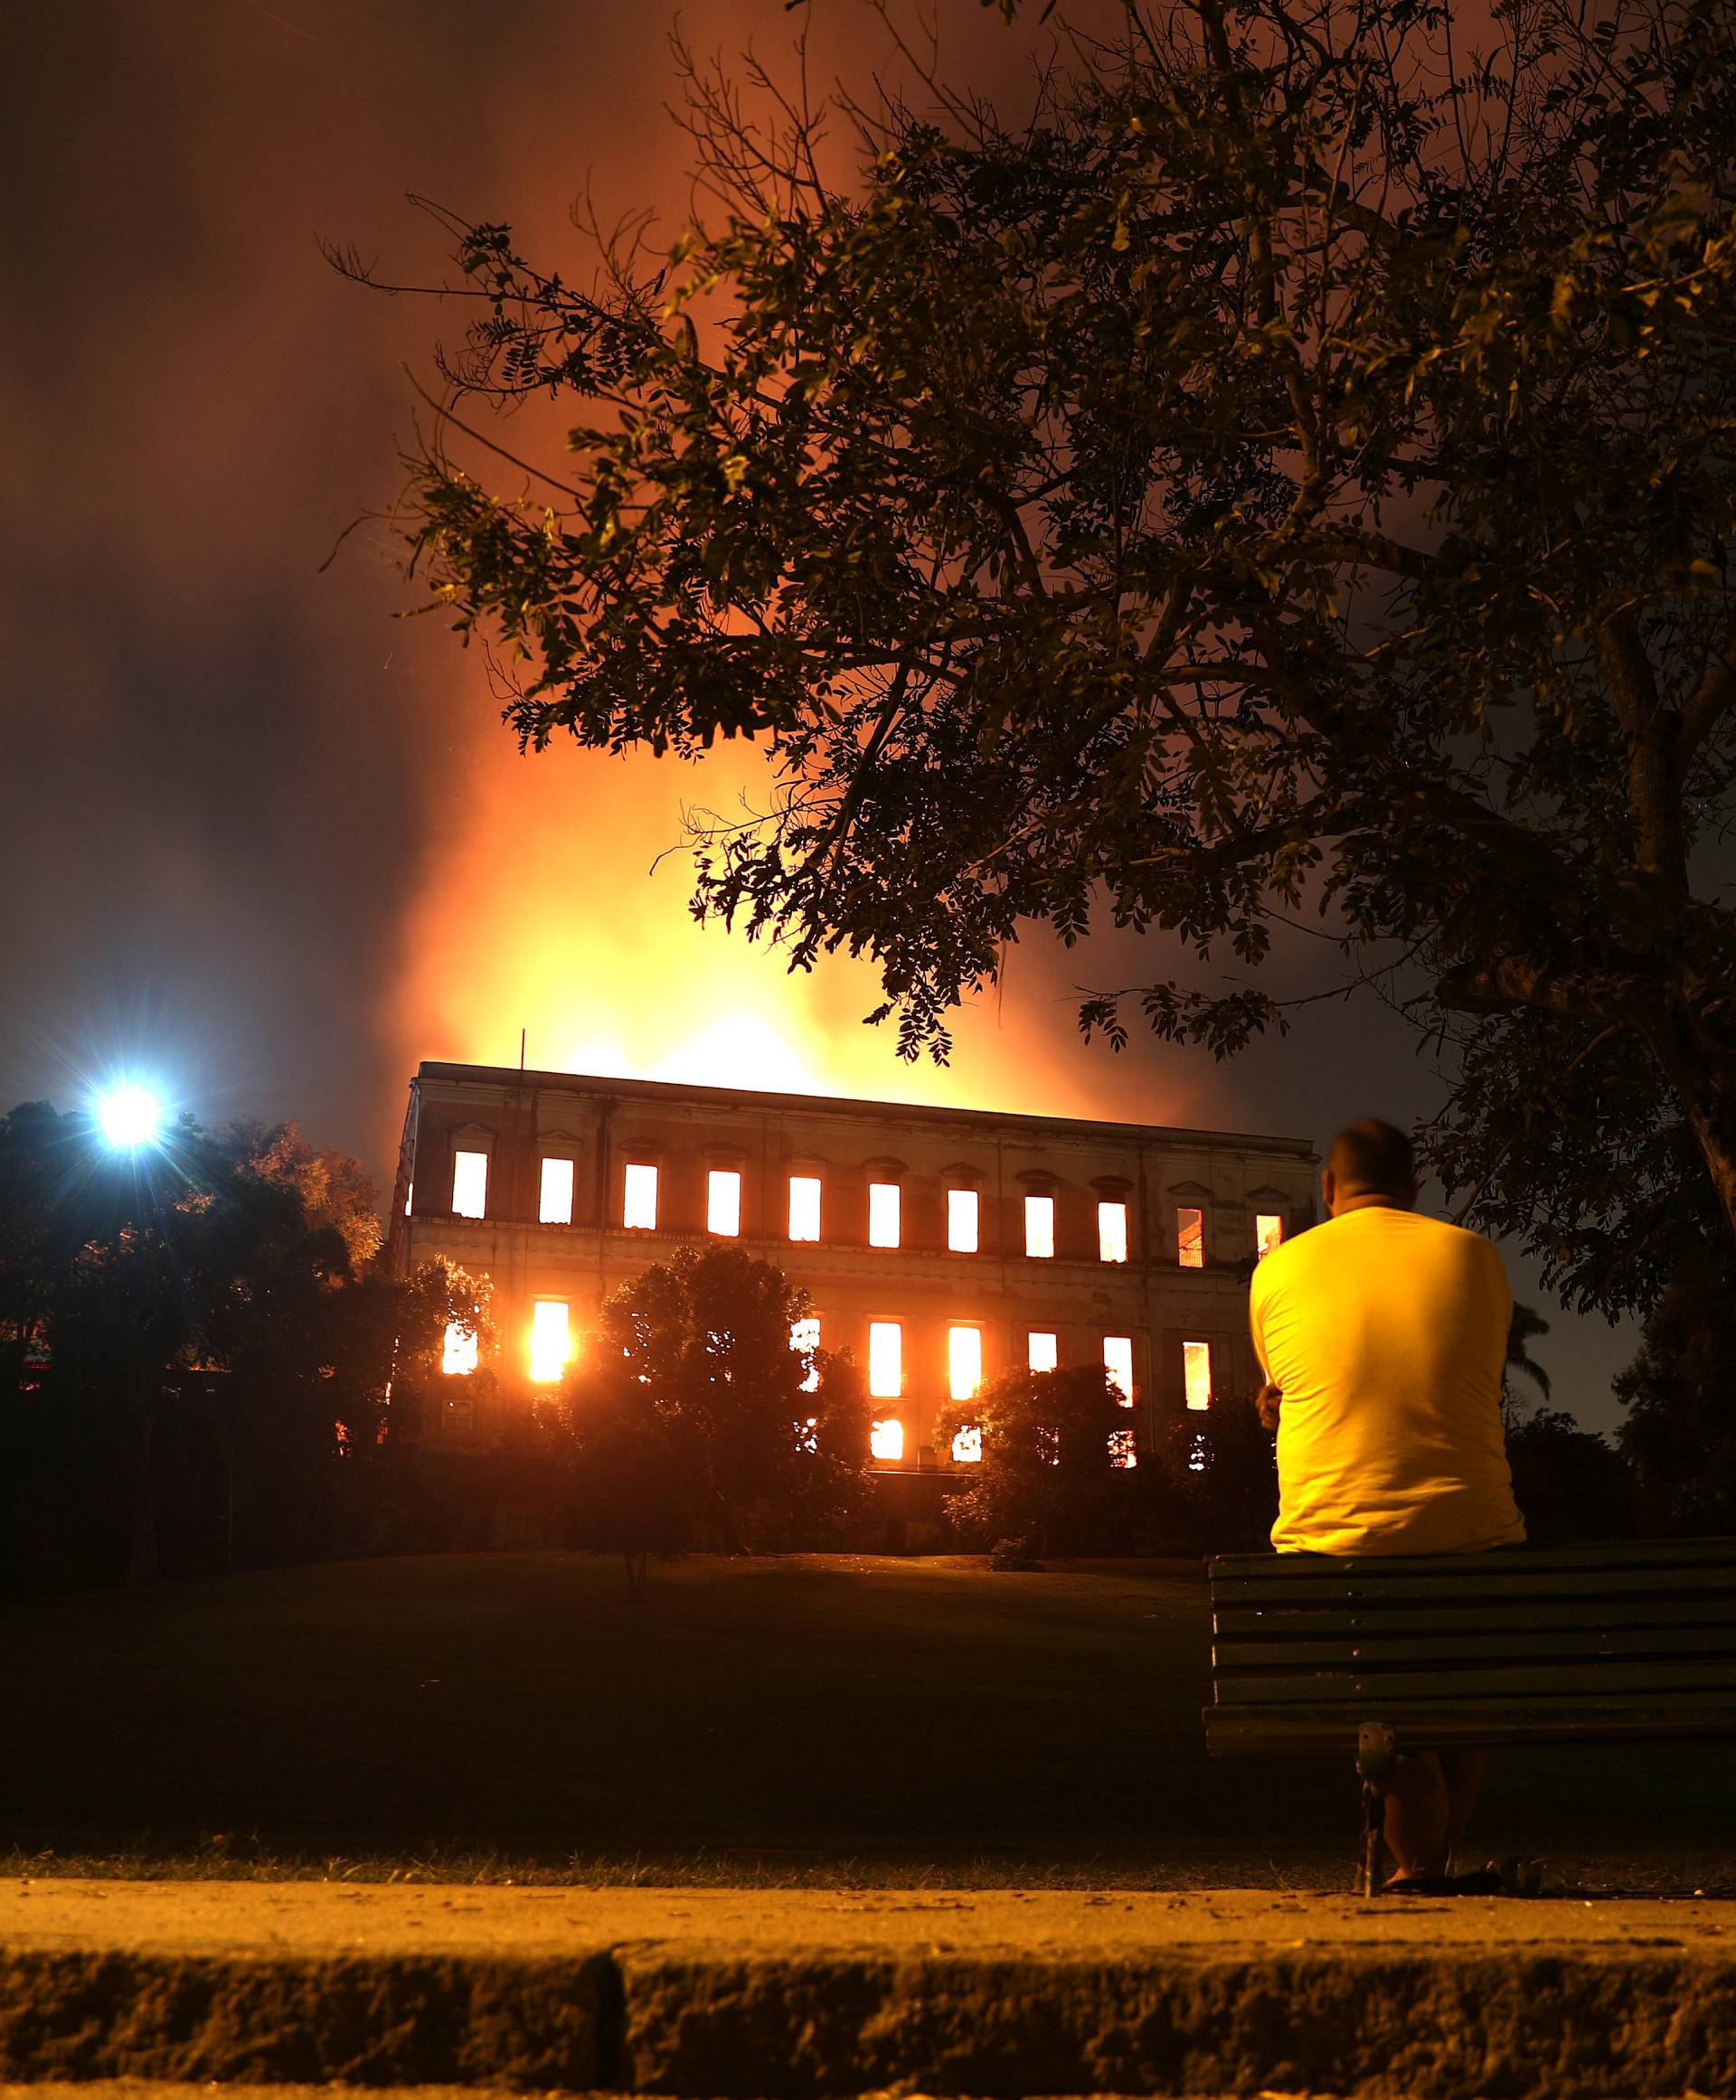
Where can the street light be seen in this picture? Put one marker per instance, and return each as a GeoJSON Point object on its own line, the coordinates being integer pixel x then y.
{"type": "Point", "coordinates": [129, 1116]}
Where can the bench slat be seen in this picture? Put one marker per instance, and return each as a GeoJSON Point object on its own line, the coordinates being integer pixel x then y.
{"type": "Point", "coordinates": [1387, 1644]}
{"type": "Point", "coordinates": [1625, 1679]}
{"type": "Point", "coordinates": [1628, 1552]}
{"type": "Point", "coordinates": [1271, 1621]}
{"type": "Point", "coordinates": [1421, 1725]}
{"type": "Point", "coordinates": [1384, 1589]}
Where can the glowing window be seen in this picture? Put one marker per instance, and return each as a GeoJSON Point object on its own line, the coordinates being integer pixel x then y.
{"type": "Point", "coordinates": [1112, 1231]}
{"type": "Point", "coordinates": [961, 1220]}
{"type": "Point", "coordinates": [458, 1356]}
{"type": "Point", "coordinates": [1118, 1361]}
{"type": "Point", "coordinates": [883, 1214]}
{"type": "Point", "coordinates": [639, 1200]}
{"type": "Point", "coordinates": [964, 1362]}
{"type": "Point", "coordinates": [967, 1446]}
{"type": "Point", "coordinates": [1189, 1239]}
{"type": "Point", "coordinates": [1196, 1373]}
{"type": "Point", "coordinates": [723, 1203]}
{"type": "Point", "coordinates": [555, 1202]}
{"type": "Point", "coordinates": [469, 1185]}
{"type": "Point", "coordinates": [409, 1191]}
{"type": "Point", "coordinates": [1121, 1448]}
{"type": "Point", "coordinates": [1268, 1233]}
{"type": "Point", "coordinates": [804, 1207]}
{"type": "Point", "coordinates": [551, 1342]}
{"type": "Point", "coordinates": [1040, 1225]}
{"type": "Point", "coordinates": [885, 1360]}
{"type": "Point", "coordinates": [804, 1338]}
{"type": "Point", "coordinates": [886, 1440]}
{"type": "Point", "coordinates": [1041, 1351]}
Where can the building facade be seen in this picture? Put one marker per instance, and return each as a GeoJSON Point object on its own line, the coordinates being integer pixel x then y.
{"type": "Point", "coordinates": [941, 1246]}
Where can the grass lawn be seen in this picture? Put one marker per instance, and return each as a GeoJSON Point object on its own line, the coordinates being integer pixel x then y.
{"type": "Point", "coordinates": [810, 1718]}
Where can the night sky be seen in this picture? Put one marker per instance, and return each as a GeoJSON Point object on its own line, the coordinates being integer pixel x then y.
{"type": "Point", "coordinates": [265, 841]}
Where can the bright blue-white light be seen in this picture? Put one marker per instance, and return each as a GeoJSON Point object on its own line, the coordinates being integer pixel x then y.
{"type": "Point", "coordinates": [129, 1116]}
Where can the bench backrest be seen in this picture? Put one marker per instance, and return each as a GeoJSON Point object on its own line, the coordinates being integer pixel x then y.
{"type": "Point", "coordinates": [1521, 1644]}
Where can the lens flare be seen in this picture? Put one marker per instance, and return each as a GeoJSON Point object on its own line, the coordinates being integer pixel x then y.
{"type": "Point", "coordinates": [129, 1116]}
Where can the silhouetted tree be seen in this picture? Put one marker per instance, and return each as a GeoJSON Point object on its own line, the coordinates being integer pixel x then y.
{"type": "Point", "coordinates": [1570, 1484]}
{"type": "Point", "coordinates": [1293, 466]}
{"type": "Point", "coordinates": [1048, 1478]}
{"type": "Point", "coordinates": [214, 1277]}
{"type": "Point", "coordinates": [691, 1398]}
{"type": "Point", "coordinates": [333, 1189]}
{"type": "Point", "coordinates": [1525, 1326]}
{"type": "Point", "coordinates": [1679, 1436]}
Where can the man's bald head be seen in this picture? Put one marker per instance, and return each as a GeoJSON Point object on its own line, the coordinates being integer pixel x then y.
{"type": "Point", "coordinates": [1370, 1162]}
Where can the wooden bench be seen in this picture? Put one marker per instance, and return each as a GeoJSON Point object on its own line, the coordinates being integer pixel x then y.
{"type": "Point", "coordinates": [1380, 1656]}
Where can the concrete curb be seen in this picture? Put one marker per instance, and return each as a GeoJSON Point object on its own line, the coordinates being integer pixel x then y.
{"type": "Point", "coordinates": [367, 2020]}
{"type": "Point", "coordinates": [788, 1996]}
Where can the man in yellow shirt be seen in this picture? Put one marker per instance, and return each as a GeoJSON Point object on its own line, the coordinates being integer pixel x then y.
{"type": "Point", "coordinates": [1382, 1336]}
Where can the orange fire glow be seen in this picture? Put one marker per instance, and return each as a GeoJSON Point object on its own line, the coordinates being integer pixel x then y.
{"type": "Point", "coordinates": [543, 911]}
{"type": "Point", "coordinates": [551, 1339]}
{"type": "Point", "coordinates": [886, 1440]}
{"type": "Point", "coordinates": [460, 1350]}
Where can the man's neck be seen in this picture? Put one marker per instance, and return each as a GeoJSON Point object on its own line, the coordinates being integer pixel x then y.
{"type": "Point", "coordinates": [1374, 1200]}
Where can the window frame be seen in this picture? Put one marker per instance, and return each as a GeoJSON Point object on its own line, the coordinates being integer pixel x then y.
{"type": "Point", "coordinates": [958, 1195]}
{"type": "Point", "coordinates": [461, 1151]}
{"type": "Point", "coordinates": [630, 1168]}
{"type": "Point", "coordinates": [545, 1160]}
{"type": "Point", "coordinates": [896, 1190]}
{"type": "Point", "coordinates": [538, 1302]}
{"type": "Point", "coordinates": [1039, 1197]}
{"type": "Point", "coordinates": [793, 1237]}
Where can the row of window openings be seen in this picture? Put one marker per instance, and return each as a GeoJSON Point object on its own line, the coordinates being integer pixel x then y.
{"type": "Point", "coordinates": [551, 1348]}
{"type": "Point", "coordinates": [723, 1211]}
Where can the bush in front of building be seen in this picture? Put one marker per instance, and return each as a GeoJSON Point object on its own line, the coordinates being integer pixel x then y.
{"type": "Point", "coordinates": [1213, 1480]}
{"type": "Point", "coordinates": [690, 1421]}
{"type": "Point", "coordinates": [1053, 1478]}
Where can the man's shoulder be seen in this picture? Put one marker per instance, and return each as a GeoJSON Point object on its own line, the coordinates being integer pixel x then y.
{"type": "Point", "coordinates": [1470, 1245]}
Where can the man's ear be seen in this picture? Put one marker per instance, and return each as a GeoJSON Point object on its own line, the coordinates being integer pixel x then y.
{"type": "Point", "coordinates": [1328, 1188]}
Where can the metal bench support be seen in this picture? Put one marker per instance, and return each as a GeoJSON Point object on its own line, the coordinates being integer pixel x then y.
{"type": "Point", "coordinates": [1376, 1756]}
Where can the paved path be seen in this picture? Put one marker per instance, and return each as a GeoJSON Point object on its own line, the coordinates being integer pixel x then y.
{"type": "Point", "coordinates": [797, 1992]}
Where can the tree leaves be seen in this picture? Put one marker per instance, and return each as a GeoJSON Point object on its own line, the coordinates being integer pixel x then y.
{"type": "Point", "coordinates": [1293, 471]}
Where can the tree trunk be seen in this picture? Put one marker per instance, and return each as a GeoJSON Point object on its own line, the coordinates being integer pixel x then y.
{"type": "Point", "coordinates": [1710, 1111]}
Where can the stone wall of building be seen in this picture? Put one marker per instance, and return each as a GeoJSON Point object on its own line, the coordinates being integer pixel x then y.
{"type": "Point", "coordinates": [1150, 1302]}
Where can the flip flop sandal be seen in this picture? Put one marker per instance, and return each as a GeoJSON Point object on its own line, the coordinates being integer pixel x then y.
{"type": "Point", "coordinates": [1485, 1881]}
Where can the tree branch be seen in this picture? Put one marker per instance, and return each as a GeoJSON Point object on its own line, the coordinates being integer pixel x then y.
{"type": "Point", "coordinates": [1711, 701]}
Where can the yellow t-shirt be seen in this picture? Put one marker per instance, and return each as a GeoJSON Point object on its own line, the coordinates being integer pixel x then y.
{"type": "Point", "coordinates": [1388, 1333]}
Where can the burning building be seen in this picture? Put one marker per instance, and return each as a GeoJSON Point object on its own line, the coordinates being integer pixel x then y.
{"type": "Point", "coordinates": [941, 1246]}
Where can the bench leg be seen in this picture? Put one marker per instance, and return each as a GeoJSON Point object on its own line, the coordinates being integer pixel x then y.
{"type": "Point", "coordinates": [1376, 1754]}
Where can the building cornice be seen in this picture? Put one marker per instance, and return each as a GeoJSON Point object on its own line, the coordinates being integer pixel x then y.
{"type": "Point", "coordinates": [506, 1081]}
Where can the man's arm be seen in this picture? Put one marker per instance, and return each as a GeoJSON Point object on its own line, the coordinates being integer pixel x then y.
{"type": "Point", "coordinates": [1269, 1398]}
